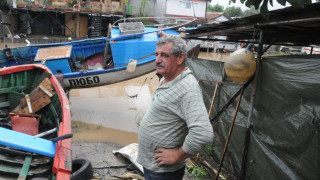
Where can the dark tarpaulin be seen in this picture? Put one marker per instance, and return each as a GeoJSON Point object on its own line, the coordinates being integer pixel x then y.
{"type": "Point", "coordinates": [284, 139]}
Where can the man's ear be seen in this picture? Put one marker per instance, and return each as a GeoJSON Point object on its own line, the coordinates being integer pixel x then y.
{"type": "Point", "coordinates": [181, 58]}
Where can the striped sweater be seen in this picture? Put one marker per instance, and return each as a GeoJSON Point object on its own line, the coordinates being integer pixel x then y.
{"type": "Point", "coordinates": [176, 117]}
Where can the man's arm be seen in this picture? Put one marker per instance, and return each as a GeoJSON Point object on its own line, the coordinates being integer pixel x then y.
{"type": "Point", "coordinates": [195, 114]}
{"type": "Point", "coordinates": [170, 156]}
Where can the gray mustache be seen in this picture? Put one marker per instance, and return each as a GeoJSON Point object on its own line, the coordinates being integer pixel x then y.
{"type": "Point", "coordinates": [160, 65]}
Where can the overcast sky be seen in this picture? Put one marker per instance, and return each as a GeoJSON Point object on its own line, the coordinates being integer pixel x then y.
{"type": "Point", "coordinates": [225, 4]}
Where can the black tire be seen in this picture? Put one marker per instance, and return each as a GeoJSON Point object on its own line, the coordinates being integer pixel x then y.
{"type": "Point", "coordinates": [81, 170]}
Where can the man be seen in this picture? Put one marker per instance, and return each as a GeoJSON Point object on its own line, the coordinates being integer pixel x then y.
{"type": "Point", "coordinates": [176, 125]}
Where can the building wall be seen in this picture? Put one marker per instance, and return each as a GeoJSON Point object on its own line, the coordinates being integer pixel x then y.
{"type": "Point", "coordinates": [160, 11]}
{"type": "Point", "coordinates": [71, 23]}
{"type": "Point", "coordinates": [106, 6]}
{"type": "Point", "coordinates": [184, 8]}
{"type": "Point", "coordinates": [11, 26]}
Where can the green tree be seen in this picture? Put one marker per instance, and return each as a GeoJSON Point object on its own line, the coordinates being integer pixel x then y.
{"type": "Point", "coordinates": [3, 5]}
{"type": "Point", "coordinates": [250, 12]}
{"type": "Point", "coordinates": [233, 11]}
{"type": "Point", "coordinates": [263, 4]}
{"type": "Point", "coordinates": [144, 8]}
{"type": "Point", "coordinates": [215, 8]}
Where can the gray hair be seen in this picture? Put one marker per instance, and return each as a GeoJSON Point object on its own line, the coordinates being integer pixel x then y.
{"type": "Point", "coordinates": [178, 44]}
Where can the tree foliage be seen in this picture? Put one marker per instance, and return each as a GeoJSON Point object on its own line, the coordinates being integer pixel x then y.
{"type": "Point", "coordinates": [3, 5]}
{"type": "Point", "coordinates": [250, 12]}
{"type": "Point", "coordinates": [263, 4]}
{"type": "Point", "coordinates": [233, 11]}
{"type": "Point", "coordinates": [215, 8]}
{"type": "Point", "coordinates": [144, 8]}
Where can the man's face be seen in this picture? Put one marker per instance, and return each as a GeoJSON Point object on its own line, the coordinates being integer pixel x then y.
{"type": "Point", "coordinates": [166, 63]}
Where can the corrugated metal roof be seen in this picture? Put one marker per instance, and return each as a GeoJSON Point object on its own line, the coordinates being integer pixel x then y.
{"type": "Point", "coordinates": [214, 15]}
{"type": "Point", "coordinates": [292, 25]}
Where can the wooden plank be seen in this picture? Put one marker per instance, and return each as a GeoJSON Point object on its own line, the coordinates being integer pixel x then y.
{"type": "Point", "coordinates": [39, 98]}
{"type": "Point", "coordinates": [37, 104]}
{"type": "Point", "coordinates": [43, 76]}
{"type": "Point", "coordinates": [38, 170]}
{"type": "Point", "coordinates": [18, 159]}
{"type": "Point", "coordinates": [53, 53]}
{"type": "Point", "coordinates": [14, 99]}
{"type": "Point", "coordinates": [27, 143]}
{"type": "Point", "coordinates": [7, 90]}
{"type": "Point", "coordinates": [25, 168]}
{"type": "Point", "coordinates": [4, 104]}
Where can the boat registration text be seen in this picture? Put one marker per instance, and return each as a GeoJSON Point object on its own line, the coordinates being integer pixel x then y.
{"type": "Point", "coordinates": [84, 81]}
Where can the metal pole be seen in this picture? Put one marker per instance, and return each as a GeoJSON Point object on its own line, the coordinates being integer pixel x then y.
{"type": "Point", "coordinates": [253, 94]}
{"type": "Point", "coordinates": [229, 135]}
{"type": "Point", "coordinates": [249, 120]}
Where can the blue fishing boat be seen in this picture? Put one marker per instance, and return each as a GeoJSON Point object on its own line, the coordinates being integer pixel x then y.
{"type": "Point", "coordinates": [125, 54]}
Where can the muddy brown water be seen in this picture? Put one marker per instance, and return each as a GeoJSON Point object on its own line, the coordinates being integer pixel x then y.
{"type": "Point", "coordinates": [9, 44]}
{"type": "Point", "coordinates": [111, 113]}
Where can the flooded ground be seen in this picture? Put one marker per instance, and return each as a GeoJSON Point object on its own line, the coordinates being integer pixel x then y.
{"type": "Point", "coordinates": [9, 44]}
{"type": "Point", "coordinates": [213, 56]}
{"type": "Point", "coordinates": [111, 113]}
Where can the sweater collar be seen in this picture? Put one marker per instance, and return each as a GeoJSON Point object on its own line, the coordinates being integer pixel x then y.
{"type": "Point", "coordinates": [182, 75]}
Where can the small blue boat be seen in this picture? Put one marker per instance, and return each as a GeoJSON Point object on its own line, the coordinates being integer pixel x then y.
{"type": "Point", "coordinates": [92, 62]}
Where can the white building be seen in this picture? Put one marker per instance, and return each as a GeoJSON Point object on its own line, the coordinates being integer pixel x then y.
{"type": "Point", "coordinates": [172, 8]}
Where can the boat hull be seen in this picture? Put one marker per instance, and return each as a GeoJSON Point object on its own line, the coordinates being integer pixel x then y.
{"type": "Point", "coordinates": [21, 81]}
{"type": "Point", "coordinates": [80, 64]}
{"type": "Point", "coordinates": [105, 77]}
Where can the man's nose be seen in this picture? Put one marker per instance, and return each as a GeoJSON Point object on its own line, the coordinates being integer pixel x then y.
{"type": "Point", "coordinates": [158, 59]}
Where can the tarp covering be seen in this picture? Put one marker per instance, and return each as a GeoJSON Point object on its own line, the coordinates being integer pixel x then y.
{"type": "Point", "coordinates": [283, 141]}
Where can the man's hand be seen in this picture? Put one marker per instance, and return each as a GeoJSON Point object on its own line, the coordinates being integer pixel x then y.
{"type": "Point", "coordinates": [170, 156]}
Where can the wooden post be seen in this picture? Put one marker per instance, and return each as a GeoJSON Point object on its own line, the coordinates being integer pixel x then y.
{"type": "Point", "coordinates": [229, 134]}
{"type": "Point", "coordinates": [78, 21]}
{"type": "Point", "coordinates": [106, 51]}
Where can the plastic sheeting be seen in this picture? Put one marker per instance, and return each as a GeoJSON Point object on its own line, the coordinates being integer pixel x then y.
{"type": "Point", "coordinates": [283, 141]}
